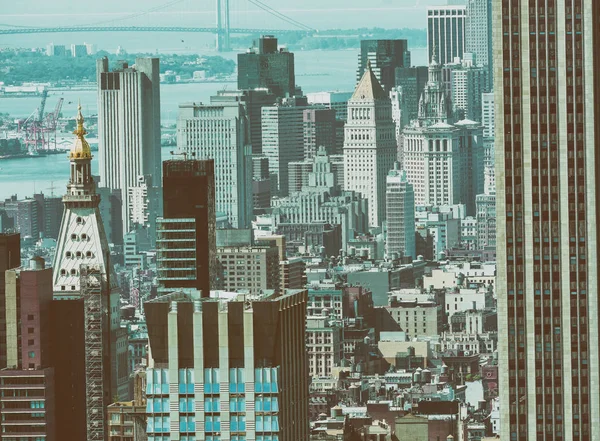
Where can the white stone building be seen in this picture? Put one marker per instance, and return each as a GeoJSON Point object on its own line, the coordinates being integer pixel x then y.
{"type": "Point", "coordinates": [369, 144]}
{"type": "Point", "coordinates": [324, 345]}
{"type": "Point", "coordinates": [400, 215]}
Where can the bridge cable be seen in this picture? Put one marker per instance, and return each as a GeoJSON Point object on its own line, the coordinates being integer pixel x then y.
{"type": "Point", "coordinates": [137, 14]}
{"type": "Point", "coordinates": [279, 15]}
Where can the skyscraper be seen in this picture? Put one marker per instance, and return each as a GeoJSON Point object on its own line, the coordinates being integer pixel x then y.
{"type": "Point", "coordinates": [478, 33]}
{"type": "Point", "coordinates": [128, 127]}
{"type": "Point", "coordinates": [446, 32]}
{"type": "Point", "coordinates": [400, 206]}
{"type": "Point", "coordinates": [369, 144]}
{"type": "Point", "coordinates": [283, 141]}
{"type": "Point", "coordinates": [236, 367]}
{"type": "Point", "coordinates": [84, 284]}
{"type": "Point", "coordinates": [267, 67]}
{"type": "Point", "coordinates": [221, 132]}
{"type": "Point", "coordinates": [186, 241]}
{"type": "Point", "coordinates": [385, 56]}
{"type": "Point", "coordinates": [10, 257]}
{"type": "Point", "coordinates": [547, 157]}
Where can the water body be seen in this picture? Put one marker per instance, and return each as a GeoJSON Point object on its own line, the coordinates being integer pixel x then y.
{"type": "Point", "coordinates": [315, 71]}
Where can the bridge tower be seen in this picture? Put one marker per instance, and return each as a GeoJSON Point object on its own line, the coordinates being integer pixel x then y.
{"type": "Point", "coordinates": [223, 26]}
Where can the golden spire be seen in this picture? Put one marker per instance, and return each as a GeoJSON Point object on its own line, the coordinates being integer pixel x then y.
{"type": "Point", "coordinates": [81, 148]}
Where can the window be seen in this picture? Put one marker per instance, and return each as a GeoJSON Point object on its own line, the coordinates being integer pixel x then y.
{"type": "Point", "coordinates": [30, 316]}
{"type": "Point", "coordinates": [31, 342]}
{"type": "Point", "coordinates": [30, 330]}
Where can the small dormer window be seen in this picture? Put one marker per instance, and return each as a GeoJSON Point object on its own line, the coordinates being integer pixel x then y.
{"type": "Point", "coordinates": [73, 272]}
{"type": "Point", "coordinates": [84, 236]}
{"type": "Point", "coordinates": [63, 272]}
{"type": "Point", "coordinates": [73, 236]}
{"type": "Point", "coordinates": [79, 220]}
{"type": "Point", "coordinates": [68, 254]}
{"type": "Point", "coordinates": [88, 254]}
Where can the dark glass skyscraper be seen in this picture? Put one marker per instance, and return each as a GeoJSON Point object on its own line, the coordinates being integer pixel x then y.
{"type": "Point", "coordinates": [547, 126]}
{"type": "Point", "coordinates": [186, 234]}
{"type": "Point", "coordinates": [267, 67]}
{"type": "Point", "coordinates": [385, 56]}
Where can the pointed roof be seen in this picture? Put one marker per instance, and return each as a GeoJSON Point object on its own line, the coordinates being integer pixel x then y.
{"type": "Point", "coordinates": [369, 88]}
{"type": "Point", "coordinates": [81, 148]}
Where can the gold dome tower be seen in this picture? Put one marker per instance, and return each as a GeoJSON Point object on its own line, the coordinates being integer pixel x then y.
{"type": "Point", "coordinates": [81, 148]}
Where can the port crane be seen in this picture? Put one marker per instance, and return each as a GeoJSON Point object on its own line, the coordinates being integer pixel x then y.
{"type": "Point", "coordinates": [37, 128]}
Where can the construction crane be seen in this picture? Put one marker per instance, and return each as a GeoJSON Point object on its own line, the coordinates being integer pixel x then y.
{"type": "Point", "coordinates": [51, 122]}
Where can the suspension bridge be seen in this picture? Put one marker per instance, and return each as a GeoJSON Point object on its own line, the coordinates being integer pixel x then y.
{"type": "Point", "coordinates": [222, 30]}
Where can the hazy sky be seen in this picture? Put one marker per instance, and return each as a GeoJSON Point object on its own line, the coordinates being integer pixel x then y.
{"type": "Point", "coordinates": [318, 14]}
{"type": "Point", "coordinates": [315, 13]}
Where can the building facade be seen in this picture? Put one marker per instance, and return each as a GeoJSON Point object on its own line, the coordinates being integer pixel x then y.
{"type": "Point", "coordinates": [384, 56]}
{"type": "Point", "coordinates": [446, 32]}
{"type": "Point", "coordinates": [400, 207]}
{"type": "Point", "coordinates": [186, 235]}
{"type": "Point", "coordinates": [478, 33]}
{"type": "Point", "coordinates": [128, 126]}
{"type": "Point", "coordinates": [369, 144]}
{"type": "Point", "coordinates": [547, 136]}
{"type": "Point", "coordinates": [222, 133]}
{"type": "Point", "coordinates": [228, 368]}
{"type": "Point", "coordinates": [251, 269]}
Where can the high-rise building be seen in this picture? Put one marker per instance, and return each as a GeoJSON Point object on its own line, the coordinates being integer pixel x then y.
{"type": "Point", "coordinates": [222, 133]}
{"type": "Point", "coordinates": [249, 268]}
{"type": "Point", "coordinates": [332, 100]}
{"type": "Point", "coordinates": [446, 32]}
{"type": "Point", "coordinates": [411, 81]}
{"type": "Point", "coordinates": [319, 130]}
{"type": "Point", "coordinates": [186, 255]}
{"type": "Point", "coordinates": [369, 144]}
{"type": "Point", "coordinates": [468, 82]}
{"type": "Point", "coordinates": [266, 67]}
{"type": "Point", "coordinates": [400, 207]}
{"type": "Point", "coordinates": [84, 284]}
{"type": "Point", "coordinates": [283, 141]}
{"type": "Point", "coordinates": [128, 127]}
{"type": "Point", "coordinates": [488, 113]}
{"type": "Point", "coordinates": [10, 257]}
{"type": "Point", "coordinates": [384, 56]}
{"type": "Point", "coordinates": [254, 100]}
{"type": "Point", "coordinates": [547, 137]}
{"type": "Point", "coordinates": [443, 161]}
{"type": "Point", "coordinates": [228, 367]}
{"type": "Point", "coordinates": [478, 34]}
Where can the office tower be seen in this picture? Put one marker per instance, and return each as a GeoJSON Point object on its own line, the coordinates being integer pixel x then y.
{"type": "Point", "coordinates": [332, 100]}
{"type": "Point", "coordinates": [411, 80]}
{"type": "Point", "coordinates": [385, 56]}
{"type": "Point", "coordinates": [10, 257]}
{"type": "Point", "coordinates": [53, 211]}
{"type": "Point", "coordinates": [111, 209]}
{"type": "Point", "coordinates": [400, 206]}
{"type": "Point", "coordinates": [283, 141]}
{"type": "Point", "coordinates": [28, 399]}
{"type": "Point", "coordinates": [478, 34]}
{"type": "Point", "coordinates": [319, 130]}
{"type": "Point", "coordinates": [249, 268]}
{"type": "Point", "coordinates": [486, 220]}
{"type": "Point", "coordinates": [399, 115]}
{"type": "Point", "coordinates": [186, 257]}
{"type": "Point", "coordinates": [83, 279]}
{"type": "Point", "coordinates": [128, 127]}
{"type": "Point", "coordinates": [56, 50]}
{"type": "Point", "coordinates": [26, 216]}
{"type": "Point", "coordinates": [265, 66]}
{"type": "Point", "coordinates": [228, 367]}
{"type": "Point", "coordinates": [369, 144]}
{"type": "Point", "coordinates": [443, 161]}
{"type": "Point", "coordinates": [79, 50]}
{"type": "Point", "coordinates": [488, 113]}
{"type": "Point", "coordinates": [547, 137]}
{"type": "Point", "coordinates": [446, 32]}
{"type": "Point", "coordinates": [467, 83]}
{"type": "Point", "coordinates": [221, 132]}
{"type": "Point", "coordinates": [254, 100]}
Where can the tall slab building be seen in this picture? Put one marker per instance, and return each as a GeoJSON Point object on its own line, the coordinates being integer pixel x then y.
{"type": "Point", "coordinates": [369, 144]}
{"type": "Point", "coordinates": [478, 33]}
{"type": "Point", "coordinates": [547, 64]}
{"type": "Point", "coordinates": [446, 32]}
{"type": "Point", "coordinates": [87, 301]}
{"type": "Point", "coordinates": [129, 127]}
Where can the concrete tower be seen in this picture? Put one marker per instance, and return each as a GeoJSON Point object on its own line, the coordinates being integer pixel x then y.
{"type": "Point", "coordinates": [400, 205]}
{"type": "Point", "coordinates": [547, 157]}
{"type": "Point", "coordinates": [129, 128]}
{"type": "Point", "coordinates": [369, 144]}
